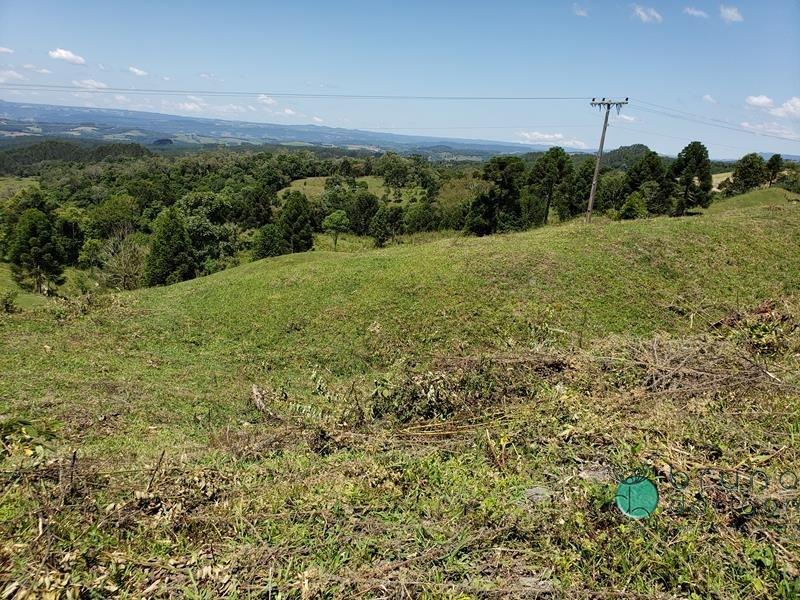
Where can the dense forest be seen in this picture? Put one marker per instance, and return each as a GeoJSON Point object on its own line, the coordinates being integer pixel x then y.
{"type": "Point", "coordinates": [133, 217]}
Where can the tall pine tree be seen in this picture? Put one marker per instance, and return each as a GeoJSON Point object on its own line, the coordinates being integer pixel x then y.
{"type": "Point", "coordinates": [36, 252]}
{"type": "Point", "coordinates": [692, 172]}
{"type": "Point", "coordinates": [295, 222]}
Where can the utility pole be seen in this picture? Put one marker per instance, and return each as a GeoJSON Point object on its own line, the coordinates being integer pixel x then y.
{"type": "Point", "coordinates": [607, 103]}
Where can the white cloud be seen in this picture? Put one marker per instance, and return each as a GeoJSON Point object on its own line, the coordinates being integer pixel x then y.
{"type": "Point", "coordinates": [549, 139]}
{"type": "Point", "coordinates": [4, 50]}
{"type": "Point", "coordinates": [289, 111]}
{"type": "Point", "coordinates": [196, 99]}
{"type": "Point", "coordinates": [580, 11]}
{"type": "Point", "coordinates": [210, 77]}
{"type": "Point", "coordinates": [730, 14]}
{"type": "Point", "coordinates": [789, 109]}
{"type": "Point", "coordinates": [189, 106]}
{"type": "Point", "coordinates": [318, 119]}
{"type": "Point", "coordinates": [102, 67]}
{"type": "Point", "coordinates": [231, 108]}
{"type": "Point", "coordinates": [760, 101]}
{"type": "Point", "coordinates": [625, 119]}
{"type": "Point", "coordinates": [137, 71]}
{"type": "Point", "coordinates": [695, 12]}
{"type": "Point", "coordinates": [646, 14]}
{"type": "Point", "coordinates": [6, 76]}
{"type": "Point", "coordinates": [67, 55]}
{"type": "Point", "coordinates": [167, 78]}
{"type": "Point", "coordinates": [710, 99]}
{"type": "Point", "coordinates": [269, 101]}
{"type": "Point", "coordinates": [90, 84]}
{"type": "Point", "coordinates": [121, 98]}
{"type": "Point", "coordinates": [771, 129]}
{"type": "Point", "coordinates": [36, 69]}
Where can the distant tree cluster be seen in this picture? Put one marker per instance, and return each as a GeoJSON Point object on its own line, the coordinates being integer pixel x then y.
{"type": "Point", "coordinates": [751, 172]}
{"type": "Point", "coordinates": [522, 197]}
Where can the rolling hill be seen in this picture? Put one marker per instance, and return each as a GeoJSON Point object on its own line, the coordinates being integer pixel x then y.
{"type": "Point", "coordinates": [440, 418]}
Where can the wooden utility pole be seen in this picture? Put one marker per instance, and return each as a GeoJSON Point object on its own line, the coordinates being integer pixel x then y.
{"type": "Point", "coordinates": [607, 103]}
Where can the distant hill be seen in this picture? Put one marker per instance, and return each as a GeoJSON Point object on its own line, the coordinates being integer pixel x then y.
{"type": "Point", "coordinates": [18, 120]}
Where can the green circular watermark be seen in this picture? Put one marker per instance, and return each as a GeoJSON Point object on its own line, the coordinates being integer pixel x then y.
{"type": "Point", "coordinates": [637, 497]}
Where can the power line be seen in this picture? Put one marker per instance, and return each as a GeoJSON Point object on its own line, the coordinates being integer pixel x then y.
{"type": "Point", "coordinates": [675, 137]}
{"type": "Point", "coordinates": [241, 94]}
{"type": "Point", "coordinates": [474, 127]}
{"type": "Point", "coordinates": [712, 123]}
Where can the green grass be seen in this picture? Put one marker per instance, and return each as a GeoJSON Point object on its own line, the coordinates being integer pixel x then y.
{"type": "Point", "coordinates": [314, 187]}
{"type": "Point", "coordinates": [310, 496]}
{"type": "Point", "coordinates": [11, 185]}
{"type": "Point", "coordinates": [22, 299]}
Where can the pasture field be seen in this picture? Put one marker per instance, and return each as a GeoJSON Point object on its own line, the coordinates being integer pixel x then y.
{"type": "Point", "coordinates": [441, 420]}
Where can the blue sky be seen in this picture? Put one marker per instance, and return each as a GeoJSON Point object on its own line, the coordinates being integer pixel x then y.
{"type": "Point", "coordinates": [737, 63]}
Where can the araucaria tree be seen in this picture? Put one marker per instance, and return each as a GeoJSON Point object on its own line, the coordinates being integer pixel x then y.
{"type": "Point", "coordinates": [498, 209]}
{"type": "Point", "coordinates": [36, 252]}
{"type": "Point", "coordinates": [171, 257]}
{"type": "Point", "coordinates": [774, 167]}
{"type": "Point", "coordinates": [551, 178]}
{"type": "Point", "coordinates": [295, 222]}
{"type": "Point", "coordinates": [692, 172]}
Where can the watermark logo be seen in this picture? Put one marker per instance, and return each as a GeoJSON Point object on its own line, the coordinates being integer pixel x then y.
{"type": "Point", "coordinates": [637, 497]}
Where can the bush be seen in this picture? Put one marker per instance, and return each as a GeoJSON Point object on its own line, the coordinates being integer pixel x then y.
{"type": "Point", "coordinates": [8, 303]}
{"type": "Point", "coordinates": [634, 207]}
{"type": "Point", "coordinates": [268, 242]}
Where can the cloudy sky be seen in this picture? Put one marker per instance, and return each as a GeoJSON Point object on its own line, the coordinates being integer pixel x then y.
{"type": "Point", "coordinates": [726, 74]}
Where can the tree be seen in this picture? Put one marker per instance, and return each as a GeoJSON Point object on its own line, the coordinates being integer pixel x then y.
{"type": "Point", "coordinates": [774, 167]}
{"type": "Point", "coordinates": [507, 175]}
{"type": "Point", "coordinates": [379, 227]}
{"type": "Point", "coordinates": [268, 242]}
{"type": "Point", "coordinates": [252, 207]}
{"type": "Point", "coordinates": [649, 167]}
{"type": "Point", "coordinates": [692, 172]}
{"type": "Point", "coordinates": [205, 216]}
{"type": "Point", "coordinates": [420, 216]}
{"type": "Point", "coordinates": [117, 213]}
{"type": "Point", "coordinates": [123, 258]}
{"type": "Point", "coordinates": [634, 207]}
{"type": "Point", "coordinates": [549, 170]}
{"type": "Point", "coordinates": [36, 252]}
{"type": "Point", "coordinates": [171, 257]}
{"type": "Point", "coordinates": [482, 216]}
{"type": "Point", "coordinates": [395, 218]}
{"type": "Point", "coordinates": [750, 172]}
{"type": "Point", "coordinates": [611, 191]}
{"type": "Point", "coordinates": [295, 222]}
{"type": "Point", "coordinates": [336, 223]}
{"type": "Point", "coordinates": [582, 188]}
{"type": "Point", "coordinates": [360, 211]}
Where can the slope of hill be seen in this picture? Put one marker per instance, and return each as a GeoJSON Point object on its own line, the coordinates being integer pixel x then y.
{"type": "Point", "coordinates": [438, 418]}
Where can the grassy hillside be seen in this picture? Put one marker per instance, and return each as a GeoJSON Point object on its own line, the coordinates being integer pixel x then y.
{"type": "Point", "coordinates": [439, 418]}
{"type": "Point", "coordinates": [313, 187]}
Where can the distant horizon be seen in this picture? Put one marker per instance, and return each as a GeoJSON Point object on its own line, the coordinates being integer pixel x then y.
{"type": "Point", "coordinates": [720, 73]}
{"type": "Point", "coordinates": [524, 146]}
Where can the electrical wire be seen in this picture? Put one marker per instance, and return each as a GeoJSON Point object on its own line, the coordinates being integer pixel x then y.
{"type": "Point", "coordinates": [710, 122]}
{"type": "Point", "coordinates": [222, 93]}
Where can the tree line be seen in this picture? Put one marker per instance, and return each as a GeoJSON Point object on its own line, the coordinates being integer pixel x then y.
{"type": "Point", "coordinates": [136, 218]}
